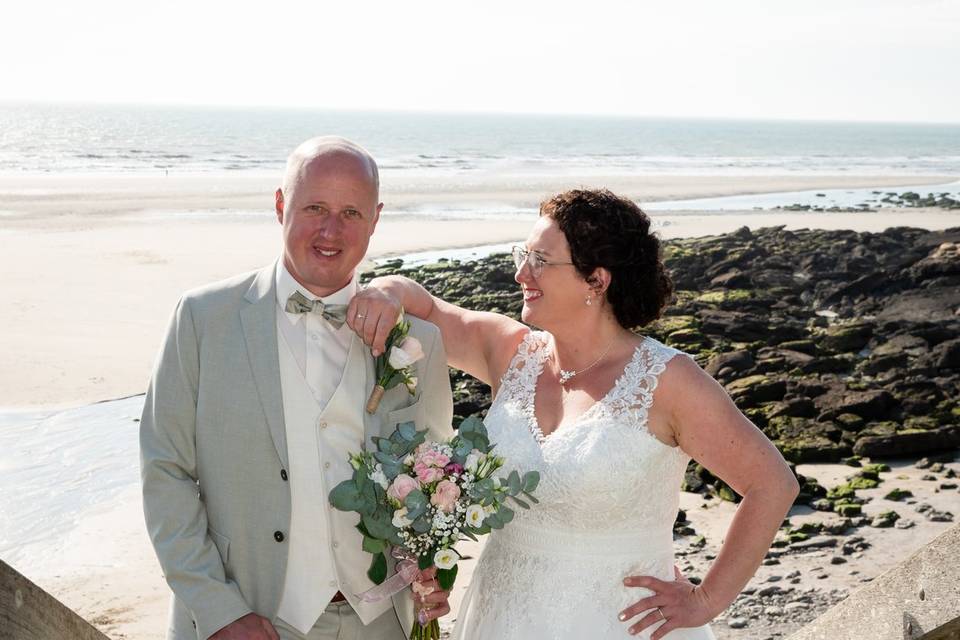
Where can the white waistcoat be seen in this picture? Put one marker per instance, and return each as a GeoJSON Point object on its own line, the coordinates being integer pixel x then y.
{"type": "Point", "coordinates": [325, 554]}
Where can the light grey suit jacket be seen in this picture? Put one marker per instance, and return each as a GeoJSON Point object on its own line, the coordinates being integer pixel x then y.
{"type": "Point", "coordinates": [214, 452]}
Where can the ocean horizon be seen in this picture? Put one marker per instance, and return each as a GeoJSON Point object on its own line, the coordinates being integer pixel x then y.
{"type": "Point", "coordinates": [48, 138]}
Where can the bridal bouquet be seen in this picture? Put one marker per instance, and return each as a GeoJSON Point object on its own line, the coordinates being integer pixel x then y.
{"type": "Point", "coordinates": [417, 499]}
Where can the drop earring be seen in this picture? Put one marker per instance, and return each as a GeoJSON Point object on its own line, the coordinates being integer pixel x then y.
{"type": "Point", "coordinates": [589, 300]}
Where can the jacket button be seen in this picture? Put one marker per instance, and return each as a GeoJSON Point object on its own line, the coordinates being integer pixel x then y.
{"type": "Point", "coordinates": [278, 536]}
{"type": "Point", "coordinates": [283, 474]}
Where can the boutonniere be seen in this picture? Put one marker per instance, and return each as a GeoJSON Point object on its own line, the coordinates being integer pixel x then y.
{"type": "Point", "coordinates": [395, 365]}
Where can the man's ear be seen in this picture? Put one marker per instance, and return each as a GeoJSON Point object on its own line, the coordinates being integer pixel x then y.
{"type": "Point", "coordinates": [278, 203]}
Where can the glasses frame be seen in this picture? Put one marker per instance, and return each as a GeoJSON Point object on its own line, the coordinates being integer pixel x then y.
{"type": "Point", "coordinates": [521, 256]}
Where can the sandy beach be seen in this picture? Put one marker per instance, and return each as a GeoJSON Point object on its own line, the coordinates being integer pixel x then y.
{"type": "Point", "coordinates": [93, 265]}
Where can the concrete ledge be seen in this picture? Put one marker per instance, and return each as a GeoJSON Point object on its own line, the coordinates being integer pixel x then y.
{"type": "Point", "coordinates": [27, 612]}
{"type": "Point", "coordinates": [919, 599]}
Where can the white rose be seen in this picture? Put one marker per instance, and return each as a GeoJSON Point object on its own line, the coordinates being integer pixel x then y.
{"type": "Point", "coordinates": [475, 515]}
{"type": "Point", "coordinates": [404, 355]}
{"type": "Point", "coordinates": [379, 477]}
{"type": "Point", "coordinates": [400, 520]}
{"type": "Point", "coordinates": [472, 461]}
{"type": "Point", "coordinates": [445, 559]}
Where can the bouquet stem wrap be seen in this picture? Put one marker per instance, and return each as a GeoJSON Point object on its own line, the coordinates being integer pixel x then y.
{"type": "Point", "coordinates": [405, 575]}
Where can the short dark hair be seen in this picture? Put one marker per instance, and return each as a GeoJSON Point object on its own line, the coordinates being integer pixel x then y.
{"type": "Point", "coordinates": [605, 230]}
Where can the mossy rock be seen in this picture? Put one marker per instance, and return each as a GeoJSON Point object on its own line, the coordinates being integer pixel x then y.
{"type": "Point", "coordinates": [862, 482]}
{"type": "Point", "coordinates": [885, 519]}
{"type": "Point", "coordinates": [885, 428]}
{"type": "Point", "coordinates": [875, 468]}
{"type": "Point", "coordinates": [813, 448]}
{"type": "Point", "coordinates": [848, 509]}
{"type": "Point", "coordinates": [921, 423]}
{"type": "Point", "coordinates": [846, 338]}
{"type": "Point", "coordinates": [849, 421]}
{"type": "Point", "coordinates": [725, 295]}
{"type": "Point", "coordinates": [668, 324]}
{"type": "Point", "coordinates": [808, 528]}
{"type": "Point", "coordinates": [898, 494]}
{"type": "Point", "coordinates": [690, 339]}
{"type": "Point", "coordinates": [797, 537]}
{"type": "Point", "coordinates": [841, 492]}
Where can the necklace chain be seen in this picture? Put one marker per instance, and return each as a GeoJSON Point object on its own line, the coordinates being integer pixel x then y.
{"type": "Point", "coordinates": [566, 376]}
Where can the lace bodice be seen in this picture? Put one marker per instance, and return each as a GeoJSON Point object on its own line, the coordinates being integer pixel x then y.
{"type": "Point", "coordinates": [609, 493]}
{"type": "Point", "coordinates": [606, 470]}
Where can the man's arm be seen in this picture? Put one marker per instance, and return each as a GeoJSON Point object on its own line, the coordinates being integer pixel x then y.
{"type": "Point", "coordinates": [175, 515]}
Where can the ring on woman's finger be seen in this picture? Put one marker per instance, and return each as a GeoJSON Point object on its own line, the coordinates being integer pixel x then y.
{"type": "Point", "coordinates": [360, 316]}
{"type": "Point", "coordinates": [660, 611]}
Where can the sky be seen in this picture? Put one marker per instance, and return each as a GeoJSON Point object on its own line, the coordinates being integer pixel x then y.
{"type": "Point", "coordinates": [867, 60]}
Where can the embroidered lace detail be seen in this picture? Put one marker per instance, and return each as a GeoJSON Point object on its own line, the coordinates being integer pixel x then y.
{"type": "Point", "coordinates": [609, 492]}
{"type": "Point", "coordinates": [520, 380]}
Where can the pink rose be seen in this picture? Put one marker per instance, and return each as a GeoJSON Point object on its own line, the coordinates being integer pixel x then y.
{"type": "Point", "coordinates": [430, 457]}
{"type": "Point", "coordinates": [445, 496]}
{"type": "Point", "coordinates": [426, 474]}
{"type": "Point", "coordinates": [401, 486]}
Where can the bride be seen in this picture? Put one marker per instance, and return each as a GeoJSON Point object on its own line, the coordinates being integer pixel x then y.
{"type": "Point", "coordinates": [610, 419]}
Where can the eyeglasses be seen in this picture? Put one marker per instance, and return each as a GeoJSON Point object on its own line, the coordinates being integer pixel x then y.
{"type": "Point", "coordinates": [532, 258]}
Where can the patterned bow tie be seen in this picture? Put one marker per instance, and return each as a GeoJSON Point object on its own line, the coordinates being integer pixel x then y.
{"type": "Point", "coordinates": [335, 314]}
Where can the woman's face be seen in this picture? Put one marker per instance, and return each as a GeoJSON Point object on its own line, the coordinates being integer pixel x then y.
{"type": "Point", "coordinates": [557, 295]}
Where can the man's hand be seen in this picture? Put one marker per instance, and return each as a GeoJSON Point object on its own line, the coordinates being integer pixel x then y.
{"type": "Point", "coordinates": [249, 627]}
{"type": "Point", "coordinates": [429, 600]}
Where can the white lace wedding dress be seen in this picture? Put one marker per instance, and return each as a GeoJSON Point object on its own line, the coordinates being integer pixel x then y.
{"type": "Point", "coordinates": [609, 493]}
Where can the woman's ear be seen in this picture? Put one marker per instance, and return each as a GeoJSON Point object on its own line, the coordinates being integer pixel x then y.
{"type": "Point", "coordinates": [599, 280]}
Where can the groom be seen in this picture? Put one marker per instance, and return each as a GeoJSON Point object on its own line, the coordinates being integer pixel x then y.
{"type": "Point", "coordinates": [255, 403]}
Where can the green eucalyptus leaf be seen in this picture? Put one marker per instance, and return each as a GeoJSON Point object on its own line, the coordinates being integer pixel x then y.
{"type": "Point", "coordinates": [531, 498]}
{"type": "Point", "coordinates": [530, 481]}
{"type": "Point", "coordinates": [513, 482]}
{"type": "Point", "coordinates": [446, 577]}
{"type": "Point", "coordinates": [493, 521]}
{"type": "Point", "coordinates": [346, 497]}
{"type": "Point", "coordinates": [380, 525]}
{"type": "Point", "coordinates": [421, 525]}
{"type": "Point", "coordinates": [378, 569]}
{"type": "Point", "coordinates": [374, 545]}
{"type": "Point", "coordinates": [425, 561]}
{"type": "Point", "coordinates": [408, 430]}
{"type": "Point", "coordinates": [520, 502]}
{"type": "Point", "coordinates": [505, 514]}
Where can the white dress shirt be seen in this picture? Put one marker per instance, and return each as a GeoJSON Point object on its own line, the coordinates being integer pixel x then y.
{"type": "Point", "coordinates": [319, 349]}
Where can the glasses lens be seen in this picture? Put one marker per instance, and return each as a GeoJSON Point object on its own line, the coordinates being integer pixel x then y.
{"type": "Point", "coordinates": [519, 255]}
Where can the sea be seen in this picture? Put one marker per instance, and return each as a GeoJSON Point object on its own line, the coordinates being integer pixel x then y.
{"type": "Point", "coordinates": [57, 138]}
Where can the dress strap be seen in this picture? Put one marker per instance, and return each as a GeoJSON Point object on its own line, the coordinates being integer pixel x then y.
{"type": "Point", "coordinates": [520, 378]}
{"type": "Point", "coordinates": [634, 391]}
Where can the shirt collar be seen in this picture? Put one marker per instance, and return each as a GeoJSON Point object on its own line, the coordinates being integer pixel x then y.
{"type": "Point", "coordinates": [287, 284]}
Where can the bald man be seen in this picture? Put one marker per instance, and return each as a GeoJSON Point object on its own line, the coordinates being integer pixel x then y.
{"type": "Point", "coordinates": [256, 400]}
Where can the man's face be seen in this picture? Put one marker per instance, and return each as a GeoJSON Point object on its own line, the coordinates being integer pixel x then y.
{"type": "Point", "coordinates": [328, 217]}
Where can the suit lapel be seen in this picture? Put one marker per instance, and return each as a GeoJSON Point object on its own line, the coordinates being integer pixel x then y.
{"type": "Point", "coordinates": [259, 320]}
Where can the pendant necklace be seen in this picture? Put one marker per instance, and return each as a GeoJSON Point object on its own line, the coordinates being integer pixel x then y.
{"type": "Point", "coordinates": [567, 376]}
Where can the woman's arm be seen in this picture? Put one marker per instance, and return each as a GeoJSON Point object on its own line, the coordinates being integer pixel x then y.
{"type": "Point", "coordinates": [477, 342]}
{"type": "Point", "coordinates": [710, 428]}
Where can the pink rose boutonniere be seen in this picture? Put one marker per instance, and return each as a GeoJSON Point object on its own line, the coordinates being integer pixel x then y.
{"type": "Point", "coordinates": [395, 365]}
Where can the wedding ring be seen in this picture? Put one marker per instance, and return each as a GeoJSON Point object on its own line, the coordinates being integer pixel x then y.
{"type": "Point", "coordinates": [360, 316]}
{"type": "Point", "coordinates": [660, 611]}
